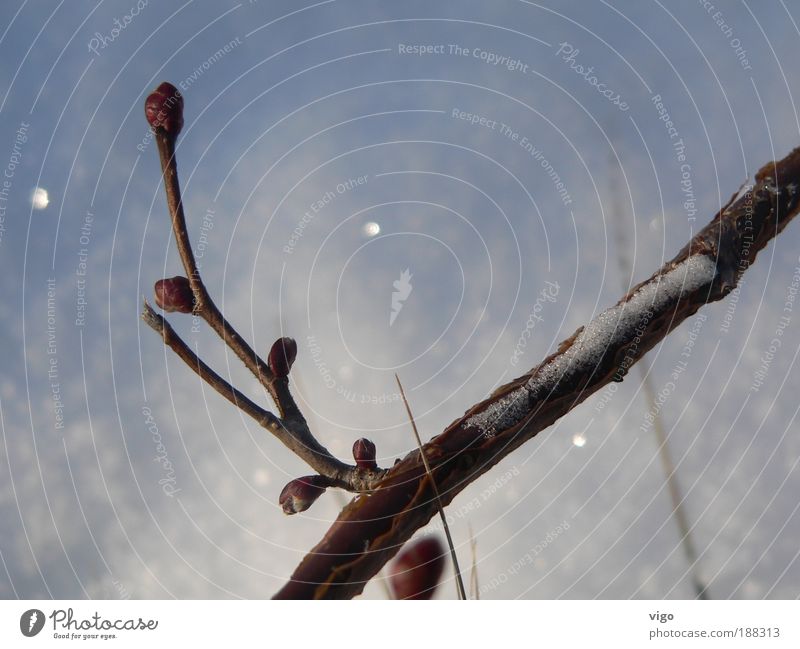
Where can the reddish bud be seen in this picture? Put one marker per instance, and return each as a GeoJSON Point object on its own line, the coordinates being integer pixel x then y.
{"type": "Point", "coordinates": [299, 494]}
{"type": "Point", "coordinates": [174, 294]}
{"type": "Point", "coordinates": [163, 108]}
{"type": "Point", "coordinates": [364, 454]}
{"type": "Point", "coordinates": [281, 356]}
{"type": "Point", "coordinates": [417, 570]}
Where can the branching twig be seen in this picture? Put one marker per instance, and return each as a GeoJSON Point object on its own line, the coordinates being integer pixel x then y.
{"type": "Point", "coordinates": [369, 531]}
{"type": "Point", "coordinates": [339, 474]}
{"type": "Point", "coordinates": [164, 112]}
{"type": "Point", "coordinates": [204, 306]}
{"type": "Point", "coordinates": [172, 340]}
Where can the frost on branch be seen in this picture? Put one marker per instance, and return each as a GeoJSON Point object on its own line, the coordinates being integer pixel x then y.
{"type": "Point", "coordinates": [611, 329]}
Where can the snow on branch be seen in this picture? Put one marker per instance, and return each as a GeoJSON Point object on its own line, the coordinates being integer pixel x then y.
{"type": "Point", "coordinates": [610, 330]}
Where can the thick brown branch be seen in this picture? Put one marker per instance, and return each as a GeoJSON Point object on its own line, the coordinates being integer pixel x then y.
{"type": "Point", "coordinates": [370, 530]}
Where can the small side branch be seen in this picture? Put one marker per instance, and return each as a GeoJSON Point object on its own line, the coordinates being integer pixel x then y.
{"type": "Point", "coordinates": [172, 340]}
{"type": "Point", "coordinates": [337, 473]}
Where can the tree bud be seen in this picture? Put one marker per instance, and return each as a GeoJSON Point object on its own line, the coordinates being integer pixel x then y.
{"type": "Point", "coordinates": [364, 454]}
{"type": "Point", "coordinates": [299, 494]}
{"type": "Point", "coordinates": [281, 356]}
{"type": "Point", "coordinates": [174, 294]}
{"type": "Point", "coordinates": [163, 108]}
{"type": "Point", "coordinates": [417, 570]}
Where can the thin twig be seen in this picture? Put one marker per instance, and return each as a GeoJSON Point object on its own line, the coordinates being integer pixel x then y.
{"type": "Point", "coordinates": [204, 306]}
{"type": "Point", "coordinates": [459, 583]}
{"type": "Point", "coordinates": [160, 325]}
{"type": "Point", "coordinates": [303, 444]}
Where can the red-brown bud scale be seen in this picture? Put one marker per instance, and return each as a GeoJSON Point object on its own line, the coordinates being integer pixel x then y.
{"type": "Point", "coordinates": [174, 294]}
{"type": "Point", "coordinates": [300, 493]}
{"type": "Point", "coordinates": [417, 570]}
{"type": "Point", "coordinates": [163, 109]}
{"type": "Point", "coordinates": [281, 356]}
{"type": "Point", "coordinates": [364, 454]}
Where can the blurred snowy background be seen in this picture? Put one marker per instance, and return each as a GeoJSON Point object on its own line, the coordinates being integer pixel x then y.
{"type": "Point", "coordinates": [495, 150]}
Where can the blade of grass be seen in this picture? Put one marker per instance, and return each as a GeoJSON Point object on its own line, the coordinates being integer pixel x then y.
{"type": "Point", "coordinates": [473, 576]}
{"type": "Point", "coordinates": [462, 594]}
{"type": "Point", "coordinates": [619, 208]}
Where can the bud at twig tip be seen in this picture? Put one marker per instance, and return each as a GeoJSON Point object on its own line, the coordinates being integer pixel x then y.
{"type": "Point", "coordinates": [364, 454]}
{"type": "Point", "coordinates": [299, 494]}
{"type": "Point", "coordinates": [281, 356]}
{"type": "Point", "coordinates": [163, 109]}
{"type": "Point", "coordinates": [174, 294]}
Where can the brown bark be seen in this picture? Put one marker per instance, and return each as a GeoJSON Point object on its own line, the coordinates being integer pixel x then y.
{"type": "Point", "coordinates": [372, 528]}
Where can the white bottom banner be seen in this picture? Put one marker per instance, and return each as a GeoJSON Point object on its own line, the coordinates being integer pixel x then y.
{"type": "Point", "coordinates": [314, 625]}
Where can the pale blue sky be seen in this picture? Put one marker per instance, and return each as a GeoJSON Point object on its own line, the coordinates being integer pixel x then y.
{"type": "Point", "coordinates": [290, 104]}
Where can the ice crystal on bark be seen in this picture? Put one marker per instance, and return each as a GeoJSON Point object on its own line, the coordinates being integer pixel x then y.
{"type": "Point", "coordinates": [612, 328]}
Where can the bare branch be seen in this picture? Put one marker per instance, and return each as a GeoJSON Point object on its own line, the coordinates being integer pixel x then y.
{"type": "Point", "coordinates": [204, 306]}
{"type": "Point", "coordinates": [369, 531]}
{"type": "Point", "coordinates": [304, 445]}
{"type": "Point", "coordinates": [172, 340]}
{"type": "Point", "coordinates": [164, 112]}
